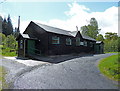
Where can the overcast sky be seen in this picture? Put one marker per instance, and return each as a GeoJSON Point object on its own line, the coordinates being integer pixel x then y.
{"type": "Point", "coordinates": [65, 15]}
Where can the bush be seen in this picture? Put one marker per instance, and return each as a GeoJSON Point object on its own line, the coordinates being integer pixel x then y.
{"type": "Point", "coordinates": [8, 45]}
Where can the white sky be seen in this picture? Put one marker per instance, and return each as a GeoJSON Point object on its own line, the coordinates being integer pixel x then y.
{"type": "Point", "coordinates": [79, 16]}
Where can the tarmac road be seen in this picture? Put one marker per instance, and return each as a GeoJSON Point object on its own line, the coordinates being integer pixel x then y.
{"type": "Point", "coordinates": [78, 73]}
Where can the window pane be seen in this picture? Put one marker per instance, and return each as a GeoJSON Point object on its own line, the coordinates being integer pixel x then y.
{"type": "Point", "coordinates": [91, 44]}
{"type": "Point", "coordinates": [55, 40]}
{"type": "Point", "coordinates": [81, 43]}
{"type": "Point", "coordinates": [77, 41]}
{"type": "Point", "coordinates": [85, 43]}
{"type": "Point", "coordinates": [68, 41]}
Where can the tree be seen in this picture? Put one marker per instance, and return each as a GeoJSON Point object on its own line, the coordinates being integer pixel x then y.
{"type": "Point", "coordinates": [118, 44]}
{"type": "Point", "coordinates": [93, 22]}
{"type": "Point", "coordinates": [91, 29]}
{"type": "Point", "coordinates": [111, 43]}
{"type": "Point", "coordinates": [1, 19]}
{"type": "Point", "coordinates": [16, 32]}
{"type": "Point", "coordinates": [110, 35]}
{"type": "Point", "coordinates": [10, 42]}
{"type": "Point", "coordinates": [7, 27]}
{"type": "Point", "coordinates": [2, 38]}
{"type": "Point", "coordinates": [4, 26]}
{"type": "Point", "coordinates": [100, 37]}
{"type": "Point", "coordinates": [84, 29]}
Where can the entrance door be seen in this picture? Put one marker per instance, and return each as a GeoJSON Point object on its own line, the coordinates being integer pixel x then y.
{"type": "Point", "coordinates": [96, 48]}
{"type": "Point", "coordinates": [31, 47]}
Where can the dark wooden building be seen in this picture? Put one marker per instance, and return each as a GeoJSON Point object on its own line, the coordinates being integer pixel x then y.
{"type": "Point", "coordinates": [40, 39]}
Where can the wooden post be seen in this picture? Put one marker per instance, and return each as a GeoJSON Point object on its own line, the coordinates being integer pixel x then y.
{"type": "Point", "coordinates": [24, 46]}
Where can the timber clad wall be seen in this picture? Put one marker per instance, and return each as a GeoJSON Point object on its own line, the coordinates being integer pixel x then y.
{"type": "Point", "coordinates": [42, 35]}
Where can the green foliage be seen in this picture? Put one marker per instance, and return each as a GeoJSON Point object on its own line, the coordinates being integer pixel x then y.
{"type": "Point", "coordinates": [111, 36]}
{"type": "Point", "coordinates": [91, 29]}
{"type": "Point", "coordinates": [93, 22]}
{"type": "Point", "coordinates": [84, 29]}
{"type": "Point", "coordinates": [100, 37]}
{"type": "Point", "coordinates": [16, 32]}
{"type": "Point", "coordinates": [10, 42]}
{"type": "Point", "coordinates": [9, 46]}
{"type": "Point", "coordinates": [118, 44]}
{"type": "Point", "coordinates": [4, 26]}
{"type": "Point", "coordinates": [109, 67]}
{"type": "Point", "coordinates": [2, 38]}
{"type": "Point", "coordinates": [111, 43]}
{"type": "Point", "coordinates": [9, 52]}
{"type": "Point", "coordinates": [7, 27]}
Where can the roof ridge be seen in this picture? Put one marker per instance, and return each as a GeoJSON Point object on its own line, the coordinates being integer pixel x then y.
{"type": "Point", "coordinates": [56, 30]}
{"type": "Point", "coordinates": [51, 26]}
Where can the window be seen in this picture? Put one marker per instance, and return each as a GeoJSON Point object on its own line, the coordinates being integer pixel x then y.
{"type": "Point", "coordinates": [77, 41]}
{"type": "Point", "coordinates": [21, 44]}
{"type": "Point", "coordinates": [68, 41]}
{"type": "Point", "coordinates": [85, 43]}
{"type": "Point", "coordinates": [55, 40]}
{"type": "Point", "coordinates": [91, 44]}
{"type": "Point", "coordinates": [81, 43]}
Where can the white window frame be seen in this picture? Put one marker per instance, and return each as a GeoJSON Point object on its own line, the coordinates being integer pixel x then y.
{"type": "Point", "coordinates": [68, 41]}
{"type": "Point", "coordinates": [55, 38]}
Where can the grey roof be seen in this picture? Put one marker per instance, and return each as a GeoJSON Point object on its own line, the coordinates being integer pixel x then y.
{"type": "Point", "coordinates": [62, 31]}
{"type": "Point", "coordinates": [87, 37]}
{"type": "Point", "coordinates": [73, 33]}
{"type": "Point", "coordinates": [25, 36]}
{"type": "Point", "coordinates": [54, 30]}
{"type": "Point", "coordinates": [84, 36]}
{"type": "Point", "coordinates": [98, 42]}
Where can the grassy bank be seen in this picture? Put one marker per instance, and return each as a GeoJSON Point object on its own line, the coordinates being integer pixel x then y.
{"type": "Point", "coordinates": [6, 51]}
{"type": "Point", "coordinates": [111, 52]}
{"type": "Point", "coordinates": [109, 67]}
{"type": "Point", "coordinates": [2, 78]}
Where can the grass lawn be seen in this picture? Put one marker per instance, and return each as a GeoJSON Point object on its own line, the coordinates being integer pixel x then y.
{"type": "Point", "coordinates": [111, 52]}
{"type": "Point", "coordinates": [109, 67]}
{"type": "Point", "coordinates": [2, 78]}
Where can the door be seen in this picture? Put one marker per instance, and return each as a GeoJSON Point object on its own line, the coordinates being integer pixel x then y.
{"type": "Point", "coordinates": [31, 47]}
{"type": "Point", "coordinates": [96, 48]}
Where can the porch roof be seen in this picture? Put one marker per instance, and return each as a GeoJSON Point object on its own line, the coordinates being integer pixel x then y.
{"type": "Point", "coordinates": [26, 36]}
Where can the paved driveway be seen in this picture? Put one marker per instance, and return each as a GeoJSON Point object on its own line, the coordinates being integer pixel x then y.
{"type": "Point", "coordinates": [16, 67]}
{"type": "Point", "coordinates": [78, 73]}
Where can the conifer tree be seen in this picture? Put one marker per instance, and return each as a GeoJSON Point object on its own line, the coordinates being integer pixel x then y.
{"type": "Point", "coordinates": [4, 26]}
{"type": "Point", "coordinates": [9, 26]}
